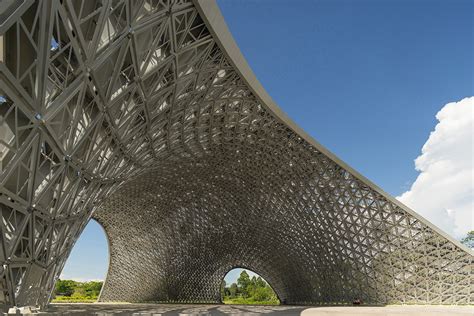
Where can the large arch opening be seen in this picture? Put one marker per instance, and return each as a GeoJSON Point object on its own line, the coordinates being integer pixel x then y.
{"type": "Point", "coordinates": [85, 270]}
{"type": "Point", "coordinates": [243, 286]}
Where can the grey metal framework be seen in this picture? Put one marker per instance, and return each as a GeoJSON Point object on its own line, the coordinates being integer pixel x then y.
{"type": "Point", "coordinates": [144, 115]}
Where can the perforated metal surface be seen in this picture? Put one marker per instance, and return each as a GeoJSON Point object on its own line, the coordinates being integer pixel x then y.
{"type": "Point", "coordinates": [144, 114]}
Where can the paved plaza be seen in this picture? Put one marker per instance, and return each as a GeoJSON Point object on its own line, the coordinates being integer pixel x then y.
{"type": "Point", "coordinates": [183, 310]}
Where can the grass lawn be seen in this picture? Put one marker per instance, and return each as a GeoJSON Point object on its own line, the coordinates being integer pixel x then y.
{"type": "Point", "coordinates": [74, 299]}
{"type": "Point", "coordinates": [247, 301]}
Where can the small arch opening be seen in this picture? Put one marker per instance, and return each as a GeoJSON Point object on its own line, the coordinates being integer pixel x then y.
{"type": "Point", "coordinates": [243, 286]}
{"type": "Point", "coordinates": [83, 275]}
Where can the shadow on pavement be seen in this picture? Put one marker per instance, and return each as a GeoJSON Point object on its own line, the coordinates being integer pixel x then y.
{"type": "Point", "coordinates": [168, 310]}
{"type": "Point", "coordinates": [104, 309]}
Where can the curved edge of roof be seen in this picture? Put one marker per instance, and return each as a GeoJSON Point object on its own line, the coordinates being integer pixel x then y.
{"type": "Point", "coordinates": [109, 254]}
{"type": "Point", "coordinates": [212, 16]}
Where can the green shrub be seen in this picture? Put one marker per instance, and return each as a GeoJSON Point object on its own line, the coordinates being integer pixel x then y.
{"type": "Point", "coordinates": [75, 292]}
{"type": "Point", "coordinates": [254, 291]}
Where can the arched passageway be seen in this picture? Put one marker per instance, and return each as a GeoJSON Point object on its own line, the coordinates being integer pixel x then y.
{"type": "Point", "coordinates": [243, 286]}
{"type": "Point", "coordinates": [85, 269]}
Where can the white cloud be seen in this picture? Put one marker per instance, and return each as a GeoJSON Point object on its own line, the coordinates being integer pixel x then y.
{"type": "Point", "coordinates": [443, 193]}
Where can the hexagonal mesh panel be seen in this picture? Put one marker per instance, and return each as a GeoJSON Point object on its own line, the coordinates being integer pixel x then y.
{"type": "Point", "coordinates": [145, 115]}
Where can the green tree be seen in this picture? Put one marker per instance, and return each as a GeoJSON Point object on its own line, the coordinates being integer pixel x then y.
{"type": "Point", "coordinates": [243, 282]}
{"type": "Point", "coordinates": [233, 290]}
{"type": "Point", "coordinates": [79, 291]}
{"type": "Point", "coordinates": [260, 282]}
{"type": "Point", "coordinates": [469, 239]}
{"type": "Point", "coordinates": [65, 287]}
{"type": "Point", "coordinates": [271, 294]}
{"type": "Point", "coordinates": [249, 291]}
{"type": "Point", "coordinates": [92, 288]}
{"type": "Point", "coordinates": [261, 294]}
{"type": "Point", "coordinates": [253, 281]}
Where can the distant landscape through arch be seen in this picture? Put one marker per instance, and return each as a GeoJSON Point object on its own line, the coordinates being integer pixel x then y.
{"type": "Point", "coordinates": [86, 267]}
{"type": "Point", "coordinates": [243, 286]}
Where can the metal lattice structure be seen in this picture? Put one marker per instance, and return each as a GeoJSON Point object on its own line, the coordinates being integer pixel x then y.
{"type": "Point", "coordinates": [144, 114]}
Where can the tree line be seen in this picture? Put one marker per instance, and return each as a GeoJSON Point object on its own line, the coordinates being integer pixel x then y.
{"type": "Point", "coordinates": [248, 291]}
{"type": "Point", "coordinates": [69, 290]}
{"type": "Point", "coordinates": [469, 239]}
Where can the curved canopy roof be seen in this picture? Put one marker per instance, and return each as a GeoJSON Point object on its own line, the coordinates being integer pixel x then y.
{"type": "Point", "coordinates": [145, 115]}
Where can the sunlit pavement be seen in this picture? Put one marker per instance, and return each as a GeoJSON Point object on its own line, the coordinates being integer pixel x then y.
{"type": "Point", "coordinates": [183, 310]}
{"type": "Point", "coordinates": [415, 310]}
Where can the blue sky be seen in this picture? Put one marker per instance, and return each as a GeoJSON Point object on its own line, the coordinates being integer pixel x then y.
{"type": "Point", "coordinates": [365, 78]}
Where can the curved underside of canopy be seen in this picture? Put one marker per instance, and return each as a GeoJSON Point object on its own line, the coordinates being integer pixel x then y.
{"type": "Point", "coordinates": [145, 115]}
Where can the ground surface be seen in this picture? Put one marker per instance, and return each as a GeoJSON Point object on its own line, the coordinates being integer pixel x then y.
{"type": "Point", "coordinates": [183, 310]}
